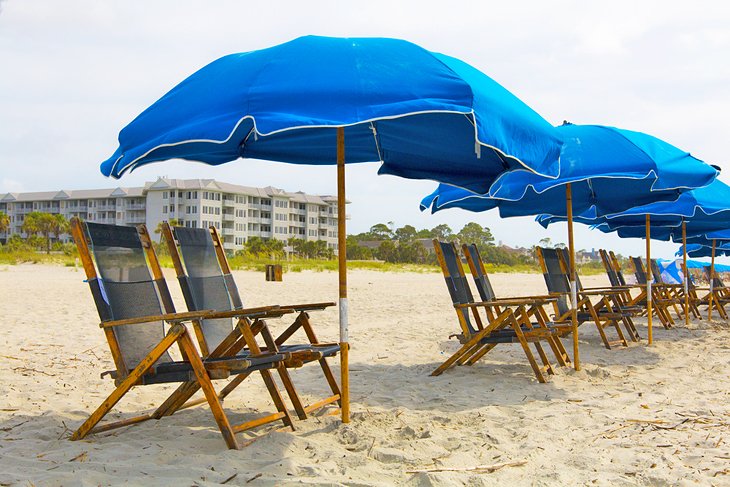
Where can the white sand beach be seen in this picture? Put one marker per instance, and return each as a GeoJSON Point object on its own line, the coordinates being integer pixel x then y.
{"type": "Point", "coordinates": [632, 416]}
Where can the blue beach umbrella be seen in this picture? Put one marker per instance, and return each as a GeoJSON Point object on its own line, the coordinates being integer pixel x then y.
{"type": "Point", "coordinates": [610, 170]}
{"type": "Point", "coordinates": [603, 170]}
{"type": "Point", "coordinates": [423, 115]}
{"type": "Point", "coordinates": [699, 250]}
{"type": "Point", "coordinates": [695, 213]}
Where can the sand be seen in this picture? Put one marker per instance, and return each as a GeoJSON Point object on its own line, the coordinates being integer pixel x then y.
{"type": "Point", "coordinates": [632, 416]}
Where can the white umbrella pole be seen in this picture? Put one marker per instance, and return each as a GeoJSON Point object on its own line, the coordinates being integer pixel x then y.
{"type": "Point", "coordinates": [573, 284]}
{"type": "Point", "coordinates": [686, 273]}
{"type": "Point", "coordinates": [648, 279]}
{"type": "Point", "coordinates": [342, 257]}
{"type": "Point", "coordinates": [712, 281]}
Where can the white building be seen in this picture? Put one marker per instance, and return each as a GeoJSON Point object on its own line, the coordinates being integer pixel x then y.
{"type": "Point", "coordinates": [238, 212]}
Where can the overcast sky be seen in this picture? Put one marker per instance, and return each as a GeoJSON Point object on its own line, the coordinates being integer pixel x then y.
{"type": "Point", "coordinates": [75, 72]}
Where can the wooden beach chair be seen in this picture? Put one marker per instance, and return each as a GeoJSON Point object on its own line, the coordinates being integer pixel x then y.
{"type": "Point", "coordinates": [674, 292]}
{"type": "Point", "coordinates": [661, 299]}
{"type": "Point", "coordinates": [133, 306]}
{"type": "Point", "coordinates": [638, 302]}
{"type": "Point", "coordinates": [720, 293]}
{"type": "Point", "coordinates": [529, 308]}
{"type": "Point", "coordinates": [207, 283]}
{"type": "Point", "coordinates": [617, 280]}
{"type": "Point", "coordinates": [615, 296]}
{"type": "Point", "coordinates": [555, 272]}
{"type": "Point", "coordinates": [488, 328]}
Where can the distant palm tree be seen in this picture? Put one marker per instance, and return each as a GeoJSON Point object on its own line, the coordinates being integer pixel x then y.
{"type": "Point", "coordinates": [45, 224]}
{"type": "Point", "coordinates": [4, 221]}
{"type": "Point", "coordinates": [174, 222]}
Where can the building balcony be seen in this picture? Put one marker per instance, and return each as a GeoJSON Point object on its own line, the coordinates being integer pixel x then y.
{"type": "Point", "coordinates": [229, 203]}
{"type": "Point", "coordinates": [228, 216]}
{"type": "Point", "coordinates": [228, 231]}
{"type": "Point", "coordinates": [135, 207]}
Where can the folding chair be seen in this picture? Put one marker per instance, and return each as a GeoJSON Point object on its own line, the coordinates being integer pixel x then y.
{"type": "Point", "coordinates": [497, 327]}
{"type": "Point", "coordinates": [133, 306]}
{"type": "Point", "coordinates": [556, 278]}
{"type": "Point", "coordinates": [661, 300]}
{"type": "Point", "coordinates": [207, 283]}
{"type": "Point", "coordinates": [672, 292]}
{"type": "Point", "coordinates": [527, 307]}
{"type": "Point", "coordinates": [720, 293]}
{"type": "Point", "coordinates": [616, 297]}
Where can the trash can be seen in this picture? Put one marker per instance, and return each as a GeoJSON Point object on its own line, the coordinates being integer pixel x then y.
{"type": "Point", "coordinates": [273, 272]}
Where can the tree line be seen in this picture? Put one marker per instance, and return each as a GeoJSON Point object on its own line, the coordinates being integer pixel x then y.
{"type": "Point", "coordinates": [39, 227]}
{"type": "Point", "coordinates": [382, 241]}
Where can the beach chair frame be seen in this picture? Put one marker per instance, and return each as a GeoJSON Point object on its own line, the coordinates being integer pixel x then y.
{"type": "Point", "coordinates": [530, 308]}
{"type": "Point", "coordinates": [601, 313]}
{"type": "Point", "coordinates": [192, 372]}
{"type": "Point", "coordinates": [499, 325]}
{"type": "Point", "coordinates": [301, 354]}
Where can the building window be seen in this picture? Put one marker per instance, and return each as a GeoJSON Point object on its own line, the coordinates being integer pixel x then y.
{"type": "Point", "coordinates": [164, 195]}
{"type": "Point", "coordinates": [164, 209]}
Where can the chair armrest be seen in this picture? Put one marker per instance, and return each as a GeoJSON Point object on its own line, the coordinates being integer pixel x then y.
{"type": "Point", "coordinates": [525, 300]}
{"type": "Point", "coordinates": [596, 293]}
{"type": "Point", "coordinates": [479, 304]}
{"type": "Point", "coordinates": [307, 306]}
{"type": "Point", "coordinates": [169, 317]}
{"type": "Point", "coordinates": [261, 312]}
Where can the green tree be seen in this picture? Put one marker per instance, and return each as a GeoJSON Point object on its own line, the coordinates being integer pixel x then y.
{"type": "Point", "coordinates": [381, 231]}
{"type": "Point", "coordinates": [406, 234]}
{"type": "Point", "coordinates": [442, 232]}
{"type": "Point", "coordinates": [174, 222]}
{"type": "Point", "coordinates": [476, 234]}
{"type": "Point", "coordinates": [546, 243]}
{"type": "Point", "coordinates": [387, 251]}
{"type": "Point", "coordinates": [4, 221]}
{"type": "Point", "coordinates": [46, 225]}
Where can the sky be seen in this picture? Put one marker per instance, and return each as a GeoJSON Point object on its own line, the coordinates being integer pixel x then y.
{"type": "Point", "coordinates": [74, 73]}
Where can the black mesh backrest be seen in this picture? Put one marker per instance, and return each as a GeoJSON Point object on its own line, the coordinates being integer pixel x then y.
{"type": "Point", "coordinates": [610, 271]}
{"type": "Point", "coordinates": [566, 262]}
{"type": "Point", "coordinates": [655, 272]}
{"type": "Point", "coordinates": [716, 281]}
{"type": "Point", "coordinates": [555, 279]}
{"type": "Point", "coordinates": [456, 281]}
{"type": "Point", "coordinates": [125, 289]}
{"type": "Point", "coordinates": [639, 270]}
{"type": "Point", "coordinates": [207, 286]}
{"type": "Point", "coordinates": [481, 279]}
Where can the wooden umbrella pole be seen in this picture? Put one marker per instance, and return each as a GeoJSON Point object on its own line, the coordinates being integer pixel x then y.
{"type": "Point", "coordinates": [686, 272]}
{"type": "Point", "coordinates": [342, 258]}
{"type": "Point", "coordinates": [573, 285]}
{"type": "Point", "coordinates": [712, 281]}
{"type": "Point", "coordinates": [648, 279]}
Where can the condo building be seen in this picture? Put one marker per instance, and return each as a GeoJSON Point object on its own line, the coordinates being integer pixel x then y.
{"type": "Point", "coordinates": [238, 212]}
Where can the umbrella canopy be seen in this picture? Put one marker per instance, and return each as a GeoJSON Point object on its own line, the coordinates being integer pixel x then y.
{"type": "Point", "coordinates": [610, 169]}
{"type": "Point", "coordinates": [704, 210]}
{"type": "Point", "coordinates": [700, 250]}
{"type": "Point", "coordinates": [424, 115]}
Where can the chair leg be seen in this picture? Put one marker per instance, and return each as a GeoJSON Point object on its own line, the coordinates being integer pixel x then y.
{"type": "Point", "coordinates": [326, 370]}
{"type": "Point", "coordinates": [561, 355]}
{"type": "Point", "coordinates": [543, 356]}
{"type": "Point", "coordinates": [292, 392]}
{"type": "Point", "coordinates": [473, 343]}
{"type": "Point", "coordinates": [212, 397]}
{"type": "Point", "coordinates": [528, 352]}
{"type": "Point", "coordinates": [116, 395]}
